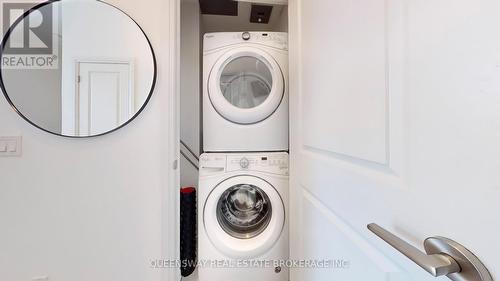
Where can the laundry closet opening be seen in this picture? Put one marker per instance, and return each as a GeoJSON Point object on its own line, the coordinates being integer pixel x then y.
{"type": "Point", "coordinates": [234, 122]}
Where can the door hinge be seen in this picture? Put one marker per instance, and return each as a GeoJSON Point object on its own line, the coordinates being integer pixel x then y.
{"type": "Point", "coordinates": [79, 79]}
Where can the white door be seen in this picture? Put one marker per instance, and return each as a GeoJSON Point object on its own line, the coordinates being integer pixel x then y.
{"type": "Point", "coordinates": [105, 96]}
{"type": "Point", "coordinates": [395, 115]}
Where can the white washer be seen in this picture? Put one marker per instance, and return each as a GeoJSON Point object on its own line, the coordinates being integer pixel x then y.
{"type": "Point", "coordinates": [242, 217]}
{"type": "Point", "coordinates": [245, 91]}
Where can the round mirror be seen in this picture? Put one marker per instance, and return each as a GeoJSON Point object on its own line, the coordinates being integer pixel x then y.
{"type": "Point", "coordinates": [75, 68]}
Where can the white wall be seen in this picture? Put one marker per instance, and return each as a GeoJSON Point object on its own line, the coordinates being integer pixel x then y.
{"type": "Point", "coordinates": [190, 86]}
{"type": "Point", "coordinates": [95, 209]}
{"type": "Point", "coordinates": [282, 24]}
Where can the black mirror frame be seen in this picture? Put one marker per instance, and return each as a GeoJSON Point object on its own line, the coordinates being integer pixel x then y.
{"type": "Point", "coordinates": [2, 85]}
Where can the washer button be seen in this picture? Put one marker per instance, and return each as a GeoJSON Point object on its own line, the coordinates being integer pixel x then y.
{"type": "Point", "coordinates": [244, 163]}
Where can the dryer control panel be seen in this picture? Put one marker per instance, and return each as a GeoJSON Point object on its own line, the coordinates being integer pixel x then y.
{"type": "Point", "coordinates": [273, 163]}
{"type": "Point", "coordinates": [213, 41]}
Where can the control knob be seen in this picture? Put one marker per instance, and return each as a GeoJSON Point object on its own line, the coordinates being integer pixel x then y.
{"type": "Point", "coordinates": [246, 36]}
{"type": "Point", "coordinates": [244, 163]}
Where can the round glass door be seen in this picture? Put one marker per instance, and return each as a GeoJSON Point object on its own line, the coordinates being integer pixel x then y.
{"type": "Point", "coordinates": [243, 216]}
{"type": "Point", "coordinates": [246, 82]}
{"type": "Point", "coordinates": [246, 85]}
{"type": "Point", "coordinates": [244, 211]}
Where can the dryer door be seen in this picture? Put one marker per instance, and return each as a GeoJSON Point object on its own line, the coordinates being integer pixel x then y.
{"type": "Point", "coordinates": [246, 85]}
{"type": "Point", "coordinates": [244, 216]}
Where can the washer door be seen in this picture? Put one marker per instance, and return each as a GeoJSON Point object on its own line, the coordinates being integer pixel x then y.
{"type": "Point", "coordinates": [246, 85]}
{"type": "Point", "coordinates": [244, 216]}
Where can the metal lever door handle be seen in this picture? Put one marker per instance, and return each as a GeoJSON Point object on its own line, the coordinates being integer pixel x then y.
{"type": "Point", "coordinates": [436, 265]}
{"type": "Point", "coordinates": [443, 257]}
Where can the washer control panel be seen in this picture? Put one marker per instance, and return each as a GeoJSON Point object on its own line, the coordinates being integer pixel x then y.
{"type": "Point", "coordinates": [212, 163]}
{"type": "Point", "coordinates": [275, 163]}
{"type": "Point", "coordinates": [272, 162]}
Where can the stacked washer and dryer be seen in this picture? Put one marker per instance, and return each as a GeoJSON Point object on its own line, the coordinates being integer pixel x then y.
{"type": "Point", "coordinates": [243, 186]}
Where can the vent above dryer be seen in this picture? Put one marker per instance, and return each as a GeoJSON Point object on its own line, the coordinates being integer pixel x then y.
{"type": "Point", "coordinates": [261, 13]}
{"type": "Point", "coordinates": [219, 7]}
{"type": "Point", "coordinates": [269, 2]}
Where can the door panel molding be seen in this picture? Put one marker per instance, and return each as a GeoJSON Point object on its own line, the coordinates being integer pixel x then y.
{"type": "Point", "coordinates": [356, 111]}
{"type": "Point", "coordinates": [350, 236]}
{"type": "Point", "coordinates": [392, 70]}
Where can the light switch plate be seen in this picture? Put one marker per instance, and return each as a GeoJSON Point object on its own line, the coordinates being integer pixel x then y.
{"type": "Point", "coordinates": [11, 146]}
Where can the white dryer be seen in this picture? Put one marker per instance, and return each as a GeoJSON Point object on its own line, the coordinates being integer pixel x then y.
{"type": "Point", "coordinates": [242, 217]}
{"type": "Point", "coordinates": [245, 91]}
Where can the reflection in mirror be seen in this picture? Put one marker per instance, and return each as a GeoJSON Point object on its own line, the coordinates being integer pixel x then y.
{"type": "Point", "coordinates": [76, 68]}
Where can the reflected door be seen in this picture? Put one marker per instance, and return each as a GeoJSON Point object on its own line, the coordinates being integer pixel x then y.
{"type": "Point", "coordinates": [105, 97]}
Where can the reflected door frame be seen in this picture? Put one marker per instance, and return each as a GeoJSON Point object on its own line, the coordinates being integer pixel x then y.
{"type": "Point", "coordinates": [72, 113]}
